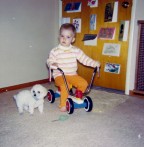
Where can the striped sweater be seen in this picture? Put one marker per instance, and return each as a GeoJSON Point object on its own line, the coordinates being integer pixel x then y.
{"type": "Point", "coordinates": [66, 59]}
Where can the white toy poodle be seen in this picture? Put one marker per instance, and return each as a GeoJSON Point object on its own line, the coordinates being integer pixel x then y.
{"type": "Point", "coordinates": [30, 99]}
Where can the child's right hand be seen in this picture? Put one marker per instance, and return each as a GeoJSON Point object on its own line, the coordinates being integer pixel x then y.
{"type": "Point", "coordinates": [54, 64]}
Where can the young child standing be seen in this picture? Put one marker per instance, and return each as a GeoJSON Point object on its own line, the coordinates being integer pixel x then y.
{"type": "Point", "coordinates": [65, 56]}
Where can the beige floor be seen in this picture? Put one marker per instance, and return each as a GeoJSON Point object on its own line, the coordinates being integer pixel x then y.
{"type": "Point", "coordinates": [116, 121]}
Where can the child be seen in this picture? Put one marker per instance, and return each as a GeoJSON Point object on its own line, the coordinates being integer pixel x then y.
{"type": "Point", "coordinates": [65, 56]}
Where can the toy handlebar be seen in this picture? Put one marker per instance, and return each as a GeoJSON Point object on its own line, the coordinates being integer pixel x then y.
{"type": "Point", "coordinates": [96, 69]}
{"type": "Point", "coordinates": [53, 67]}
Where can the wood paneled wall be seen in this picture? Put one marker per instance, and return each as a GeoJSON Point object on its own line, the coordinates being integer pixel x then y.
{"type": "Point", "coordinates": [108, 80]}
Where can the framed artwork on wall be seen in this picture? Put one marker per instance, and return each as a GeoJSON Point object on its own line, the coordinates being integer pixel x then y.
{"type": "Point", "coordinates": [73, 7]}
{"type": "Point", "coordinates": [112, 68]}
{"type": "Point", "coordinates": [111, 49]}
{"type": "Point", "coordinates": [77, 24]}
{"type": "Point", "coordinates": [93, 22]}
{"type": "Point", "coordinates": [107, 33]}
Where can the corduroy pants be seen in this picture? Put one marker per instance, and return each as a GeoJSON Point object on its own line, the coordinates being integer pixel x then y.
{"type": "Point", "coordinates": [74, 80]}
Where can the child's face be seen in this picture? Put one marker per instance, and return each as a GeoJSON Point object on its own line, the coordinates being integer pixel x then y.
{"type": "Point", "coordinates": [66, 37]}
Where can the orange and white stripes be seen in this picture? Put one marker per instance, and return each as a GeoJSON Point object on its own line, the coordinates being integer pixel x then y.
{"type": "Point", "coordinates": [66, 59]}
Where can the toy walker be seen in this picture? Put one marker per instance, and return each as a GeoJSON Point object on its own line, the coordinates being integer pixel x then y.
{"type": "Point", "coordinates": [73, 101]}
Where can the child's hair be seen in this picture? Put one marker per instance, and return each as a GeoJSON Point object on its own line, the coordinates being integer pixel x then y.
{"type": "Point", "coordinates": [68, 26]}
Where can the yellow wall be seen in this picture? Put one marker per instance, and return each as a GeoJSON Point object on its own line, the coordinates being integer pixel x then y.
{"type": "Point", "coordinates": [109, 80]}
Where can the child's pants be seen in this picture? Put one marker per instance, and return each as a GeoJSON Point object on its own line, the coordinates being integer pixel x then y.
{"type": "Point", "coordinates": [74, 80]}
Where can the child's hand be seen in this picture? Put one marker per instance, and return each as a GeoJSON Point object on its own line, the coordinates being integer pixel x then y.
{"type": "Point", "coordinates": [55, 64]}
{"type": "Point", "coordinates": [97, 64]}
{"type": "Point", "coordinates": [98, 68]}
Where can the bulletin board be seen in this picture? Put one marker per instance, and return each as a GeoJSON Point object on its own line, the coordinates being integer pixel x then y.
{"type": "Point", "coordinates": [110, 50]}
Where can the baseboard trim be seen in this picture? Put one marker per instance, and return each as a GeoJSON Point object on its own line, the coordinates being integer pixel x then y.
{"type": "Point", "coordinates": [136, 93]}
{"type": "Point", "coordinates": [24, 85]}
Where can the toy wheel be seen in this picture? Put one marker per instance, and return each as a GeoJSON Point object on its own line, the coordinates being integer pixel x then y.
{"type": "Point", "coordinates": [89, 104]}
{"type": "Point", "coordinates": [69, 106]}
{"type": "Point", "coordinates": [51, 96]}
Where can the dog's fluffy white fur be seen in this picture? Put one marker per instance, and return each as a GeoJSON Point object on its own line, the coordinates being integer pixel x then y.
{"type": "Point", "coordinates": [30, 99]}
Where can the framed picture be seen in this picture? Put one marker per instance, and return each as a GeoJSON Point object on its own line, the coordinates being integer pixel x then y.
{"type": "Point", "coordinates": [112, 68]}
{"type": "Point", "coordinates": [107, 33]}
{"type": "Point", "coordinates": [90, 39]}
{"type": "Point", "coordinates": [123, 31]}
{"type": "Point", "coordinates": [111, 49]}
{"type": "Point", "coordinates": [77, 24]}
{"type": "Point", "coordinates": [73, 7]}
{"type": "Point", "coordinates": [93, 22]}
{"type": "Point", "coordinates": [65, 20]}
{"type": "Point", "coordinates": [111, 12]}
{"type": "Point", "coordinates": [93, 3]}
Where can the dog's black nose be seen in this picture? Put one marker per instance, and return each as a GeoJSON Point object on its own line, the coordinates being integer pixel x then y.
{"type": "Point", "coordinates": [34, 94]}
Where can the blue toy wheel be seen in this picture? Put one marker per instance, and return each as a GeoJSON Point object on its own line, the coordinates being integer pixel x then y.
{"type": "Point", "coordinates": [51, 96]}
{"type": "Point", "coordinates": [69, 106]}
{"type": "Point", "coordinates": [89, 104]}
